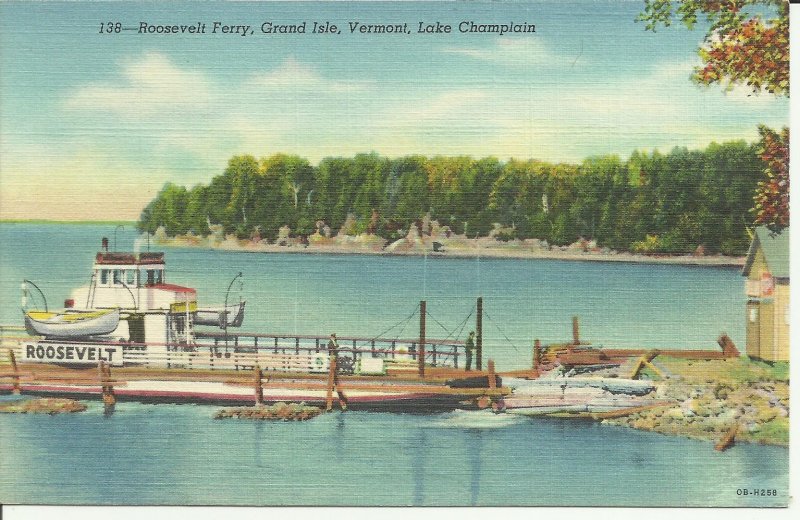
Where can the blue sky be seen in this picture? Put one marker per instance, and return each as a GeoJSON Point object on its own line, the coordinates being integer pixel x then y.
{"type": "Point", "coordinates": [92, 125]}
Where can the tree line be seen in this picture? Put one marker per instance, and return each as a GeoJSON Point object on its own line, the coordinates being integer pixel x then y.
{"type": "Point", "coordinates": [651, 202]}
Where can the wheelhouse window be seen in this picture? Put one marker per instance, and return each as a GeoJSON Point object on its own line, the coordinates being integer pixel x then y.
{"type": "Point", "coordinates": [152, 276]}
{"type": "Point", "coordinates": [104, 276]}
{"type": "Point", "coordinates": [130, 277]}
{"type": "Point", "coordinates": [118, 273]}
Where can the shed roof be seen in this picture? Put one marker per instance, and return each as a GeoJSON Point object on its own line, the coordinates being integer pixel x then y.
{"type": "Point", "coordinates": [775, 247]}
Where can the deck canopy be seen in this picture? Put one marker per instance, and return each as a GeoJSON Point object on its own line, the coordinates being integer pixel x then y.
{"type": "Point", "coordinates": [106, 258]}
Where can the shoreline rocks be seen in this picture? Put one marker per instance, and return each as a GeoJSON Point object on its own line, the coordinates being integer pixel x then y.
{"type": "Point", "coordinates": [707, 411]}
{"type": "Point", "coordinates": [456, 246]}
{"type": "Point", "coordinates": [50, 406]}
{"type": "Point", "coordinates": [277, 412]}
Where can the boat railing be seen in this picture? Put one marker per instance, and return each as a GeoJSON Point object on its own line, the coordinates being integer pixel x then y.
{"type": "Point", "coordinates": [438, 352]}
{"type": "Point", "coordinates": [10, 336]}
{"type": "Point", "coordinates": [280, 352]}
{"type": "Point", "coordinates": [207, 359]}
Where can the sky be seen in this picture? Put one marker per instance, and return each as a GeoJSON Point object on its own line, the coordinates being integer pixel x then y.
{"type": "Point", "coordinates": [92, 125]}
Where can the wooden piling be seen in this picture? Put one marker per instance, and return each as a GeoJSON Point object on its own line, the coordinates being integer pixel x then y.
{"type": "Point", "coordinates": [537, 358]}
{"type": "Point", "coordinates": [492, 375]}
{"type": "Point", "coordinates": [259, 389]}
{"type": "Point", "coordinates": [106, 387]}
{"type": "Point", "coordinates": [728, 439]}
{"type": "Point", "coordinates": [645, 362]}
{"type": "Point", "coordinates": [479, 334]}
{"type": "Point", "coordinates": [421, 349]}
{"type": "Point", "coordinates": [728, 347]}
{"type": "Point", "coordinates": [331, 382]}
{"type": "Point", "coordinates": [576, 333]}
{"type": "Point", "coordinates": [16, 388]}
{"type": "Point", "coordinates": [342, 397]}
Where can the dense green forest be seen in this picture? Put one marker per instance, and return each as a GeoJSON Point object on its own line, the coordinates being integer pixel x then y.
{"type": "Point", "coordinates": [651, 202]}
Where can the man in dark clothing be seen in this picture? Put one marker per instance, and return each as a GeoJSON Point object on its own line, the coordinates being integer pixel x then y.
{"type": "Point", "coordinates": [333, 346]}
{"type": "Point", "coordinates": [469, 347]}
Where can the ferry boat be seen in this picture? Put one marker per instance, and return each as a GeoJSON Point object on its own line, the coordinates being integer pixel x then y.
{"type": "Point", "coordinates": [128, 302]}
{"type": "Point", "coordinates": [155, 344]}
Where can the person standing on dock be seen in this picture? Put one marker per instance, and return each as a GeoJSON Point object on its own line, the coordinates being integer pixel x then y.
{"type": "Point", "coordinates": [333, 346]}
{"type": "Point", "coordinates": [469, 348]}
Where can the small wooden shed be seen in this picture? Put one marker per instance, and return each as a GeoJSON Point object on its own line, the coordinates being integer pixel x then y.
{"type": "Point", "coordinates": [767, 289]}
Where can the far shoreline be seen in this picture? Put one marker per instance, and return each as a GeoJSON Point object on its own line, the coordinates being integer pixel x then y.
{"type": "Point", "coordinates": [512, 250]}
{"type": "Point", "coordinates": [456, 247]}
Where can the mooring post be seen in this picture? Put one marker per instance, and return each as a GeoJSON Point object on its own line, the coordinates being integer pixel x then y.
{"type": "Point", "coordinates": [537, 357]}
{"type": "Point", "coordinates": [421, 349]}
{"type": "Point", "coordinates": [331, 381]}
{"type": "Point", "coordinates": [728, 439]}
{"type": "Point", "coordinates": [340, 393]}
{"type": "Point", "coordinates": [16, 389]}
{"type": "Point", "coordinates": [101, 375]}
{"type": "Point", "coordinates": [492, 379]}
{"type": "Point", "coordinates": [106, 387]}
{"type": "Point", "coordinates": [728, 347]}
{"type": "Point", "coordinates": [479, 335]}
{"type": "Point", "coordinates": [576, 335]}
{"type": "Point", "coordinates": [257, 375]}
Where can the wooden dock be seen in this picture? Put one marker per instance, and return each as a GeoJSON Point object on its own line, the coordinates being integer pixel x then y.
{"type": "Point", "coordinates": [401, 390]}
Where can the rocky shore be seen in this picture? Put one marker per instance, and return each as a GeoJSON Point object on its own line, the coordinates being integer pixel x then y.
{"type": "Point", "coordinates": [50, 406]}
{"type": "Point", "coordinates": [276, 412]}
{"type": "Point", "coordinates": [436, 241]}
{"type": "Point", "coordinates": [713, 396]}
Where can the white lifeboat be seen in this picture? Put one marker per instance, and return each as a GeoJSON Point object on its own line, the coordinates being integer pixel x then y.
{"type": "Point", "coordinates": [71, 324]}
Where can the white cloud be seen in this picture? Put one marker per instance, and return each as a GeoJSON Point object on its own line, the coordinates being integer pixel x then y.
{"type": "Point", "coordinates": [645, 111]}
{"type": "Point", "coordinates": [151, 84]}
{"type": "Point", "coordinates": [71, 184]}
{"type": "Point", "coordinates": [161, 121]}
{"type": "Point", "coordinates": [293, 74]}
{"type": "Point", "coordinates": [525, 51]}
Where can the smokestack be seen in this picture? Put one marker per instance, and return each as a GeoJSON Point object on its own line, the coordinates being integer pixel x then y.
{"type": "Point", "coordinates": [104, 244]}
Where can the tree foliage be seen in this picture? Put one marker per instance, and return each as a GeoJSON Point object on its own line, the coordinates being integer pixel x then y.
{"type": "Point", "coordinates": [747, 41]}
{"type": "Point", "coordinates": [651, 202]}
{"type": "Point", "coordinates": [772, 197]}
{"type": "Point", "coordinates": [743, 47]}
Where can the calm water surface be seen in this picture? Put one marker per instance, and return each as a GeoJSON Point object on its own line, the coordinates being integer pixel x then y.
{"type": "Point", "coordinates": [618, 304]}
{"type": "Point", "coordinates": [177, 454]}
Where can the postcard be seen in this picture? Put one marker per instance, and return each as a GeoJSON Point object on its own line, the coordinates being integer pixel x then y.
{"type": "Point", "coordinates": [516, 253]}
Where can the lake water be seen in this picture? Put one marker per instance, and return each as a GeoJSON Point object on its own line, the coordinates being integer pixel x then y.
{"type": "Point", "coordinates": [177, 454]}
{"type": "Point", "coordinates": [619, 304]}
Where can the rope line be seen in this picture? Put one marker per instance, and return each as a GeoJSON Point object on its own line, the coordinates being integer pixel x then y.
{"type": "Point", "coordinates": [462, 325]}
{"type": "Point", "coordinates": [403, 322]}
{"type": "Point", "coordinates": [437, 321]}
{"type": "Point", "coordinates": [501, 332]}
